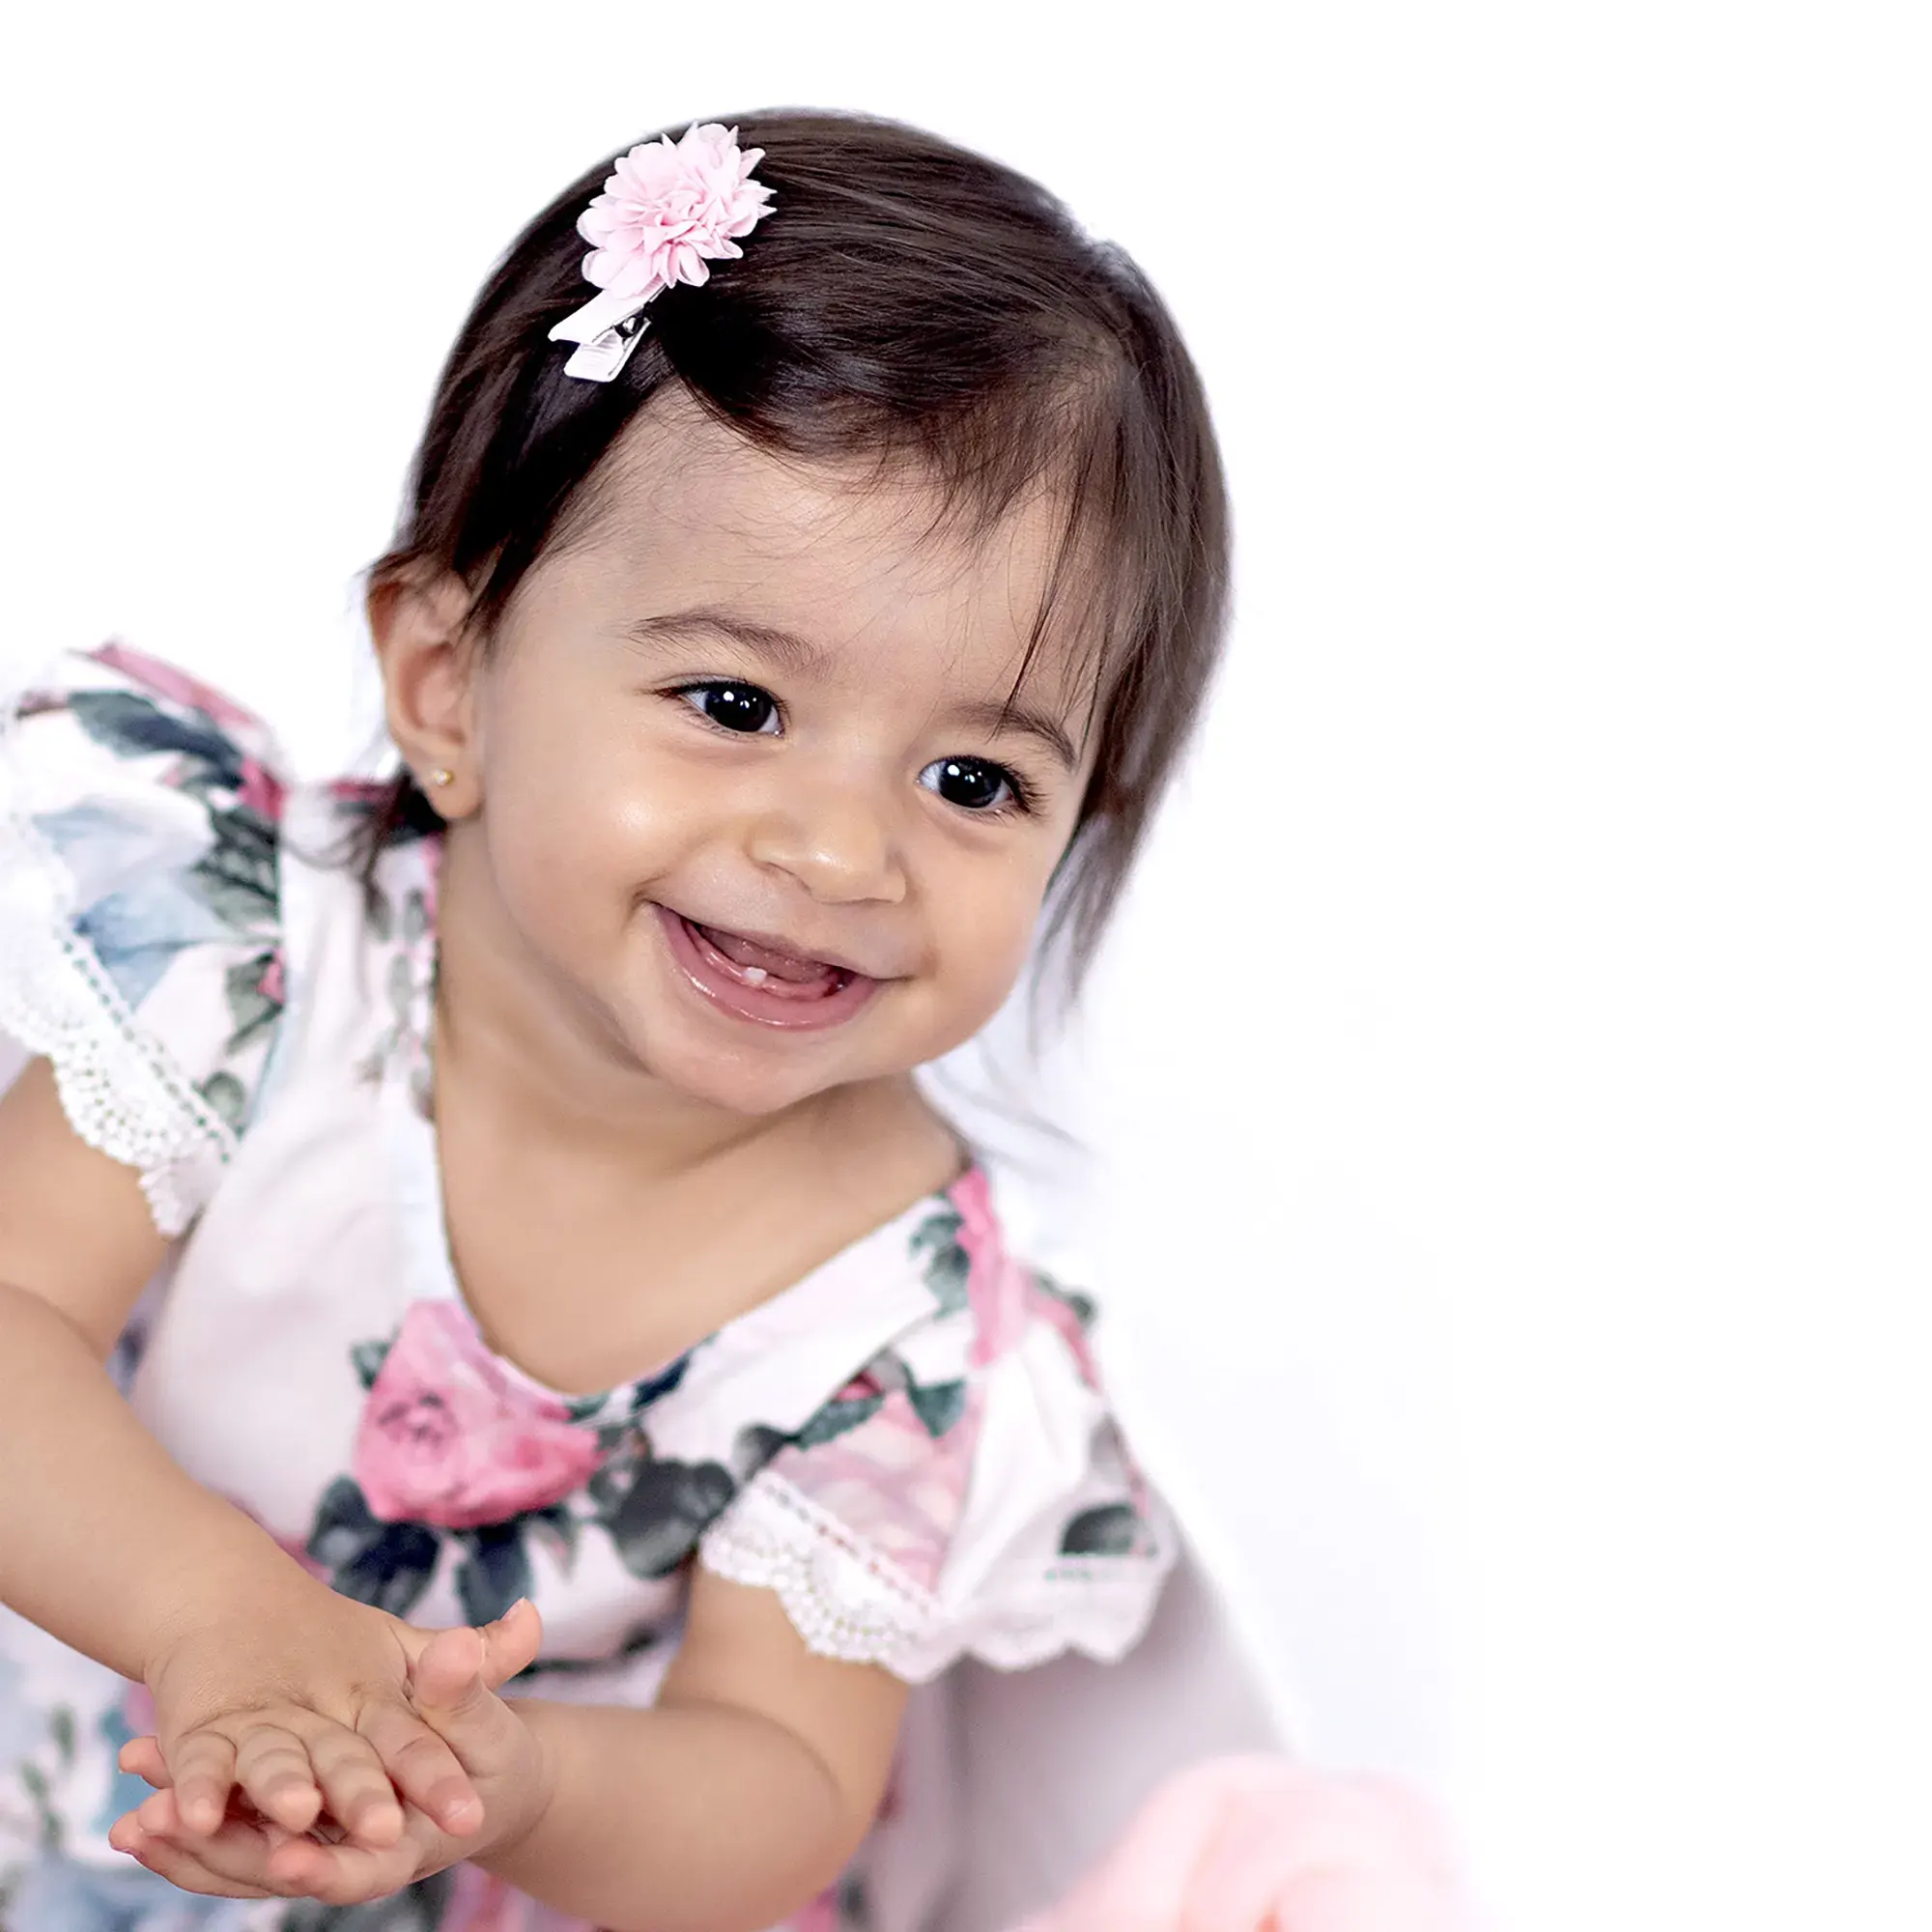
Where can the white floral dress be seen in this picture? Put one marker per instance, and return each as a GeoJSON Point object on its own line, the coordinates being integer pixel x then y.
{"type": "Point", "coordinates": [909, 1445]}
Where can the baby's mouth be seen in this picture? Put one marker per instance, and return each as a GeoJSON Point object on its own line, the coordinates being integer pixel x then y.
{"type": "Point", "coordinates": [761, 965]}
{"type": "Point", "coordinates": [754, 979]}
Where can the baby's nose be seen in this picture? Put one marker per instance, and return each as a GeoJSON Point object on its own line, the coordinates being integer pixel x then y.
{"type": "Point", "coordinates": [835, 840]}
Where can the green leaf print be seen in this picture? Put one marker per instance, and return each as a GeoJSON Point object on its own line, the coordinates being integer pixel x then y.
{"type": "Point", "coordinates": [368, 1358]}
{"type": "Point", "coordinates": [60, 1727]}
{"type": "Point", "coordinates": [667, 1508]}
{"type": "Point", "coordinates": [385, 1564]}
{"type": "Point", "coordinates": [937, 1405]}
{"type": "Point", "coordinates": [250, 1009]}
{"type": "Point", "coordinates": [948, 1264]}
{"type": "Point", "coordinates": [835, 1418]}
{"type": "Point", "coordinates": [1110, 1530]}
{"type": "Point", "coordinates": [1085, 1308]}
{"type": "Point", "coordinates": [35, 1782]}
{"type": "Point", "coordinates": [136, 727]}
{"type": "Point", "coordinates": [227, 1096]}
{"type": "Point", "coordinates": [494, 1574]}
{"type": "Point", "coordinates": [237, 875]}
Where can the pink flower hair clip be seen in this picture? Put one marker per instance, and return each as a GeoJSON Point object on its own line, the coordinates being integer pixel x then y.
{"type": "Point", "coordinates": [670, 208]}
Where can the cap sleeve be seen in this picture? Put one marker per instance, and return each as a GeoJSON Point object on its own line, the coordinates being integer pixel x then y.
{"type": "Point", "coordinates": [969, 1494]}
{"type": "Point", "coordinates": [140, 934]}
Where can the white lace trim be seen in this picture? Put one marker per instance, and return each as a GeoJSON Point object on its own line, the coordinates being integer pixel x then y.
{"type": "Point", "coordinates": [841, 1597]}
{"type": "Point", "coordinates": [121, 1089]}
{"type": "Point", "coordinates": [848, 1601]}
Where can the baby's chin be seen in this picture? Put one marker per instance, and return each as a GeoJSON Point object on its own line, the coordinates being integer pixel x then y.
{"type": "Point", "coordinates": [755, 1080]}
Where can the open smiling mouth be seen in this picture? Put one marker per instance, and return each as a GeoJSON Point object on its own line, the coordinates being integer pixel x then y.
{"type": "Point", "coordinates": [757, 982]}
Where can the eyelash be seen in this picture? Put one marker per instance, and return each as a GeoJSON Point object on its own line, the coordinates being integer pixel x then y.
{"type": "Point", "coordinates": [1022, 802]}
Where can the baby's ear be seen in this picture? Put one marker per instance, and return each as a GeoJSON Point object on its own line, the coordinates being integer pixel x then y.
{"type": "Point", "coordinates": [418, 623]}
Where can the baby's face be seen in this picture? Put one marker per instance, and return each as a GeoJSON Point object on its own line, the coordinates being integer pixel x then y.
{"type": "Point", "coordinates": [748, 797]}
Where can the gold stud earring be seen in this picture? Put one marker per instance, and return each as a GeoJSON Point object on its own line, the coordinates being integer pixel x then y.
{"type": "Point", "coordinates": [441, 775]}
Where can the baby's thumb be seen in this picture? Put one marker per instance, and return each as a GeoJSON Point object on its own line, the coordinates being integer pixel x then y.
{"type": "Point", "coordinates": [511, 1644]}
{"type": "Point", "coordinates": [446, 1682]}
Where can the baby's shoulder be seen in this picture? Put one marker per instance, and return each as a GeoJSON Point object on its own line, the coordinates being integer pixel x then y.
{"type": "Point", "coordinates": [141, 927]}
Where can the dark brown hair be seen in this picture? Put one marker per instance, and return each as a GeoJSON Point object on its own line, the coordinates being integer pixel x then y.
{"type": "Point", "coordinates": [907, 299]}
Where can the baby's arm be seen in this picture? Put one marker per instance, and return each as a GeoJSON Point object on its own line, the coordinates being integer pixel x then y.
{"type": "Point", "coordinates": [728, 1805]}
{"type": "Point", "coordinates": [108, 1544]}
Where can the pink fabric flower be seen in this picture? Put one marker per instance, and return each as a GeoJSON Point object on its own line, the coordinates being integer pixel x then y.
{"type": "Point", "coordinates": [452, 1436]}
{"type": "Point", "coordinates": [1259, 1844]}
{"type": "Point", "coordinates": [669, 208]}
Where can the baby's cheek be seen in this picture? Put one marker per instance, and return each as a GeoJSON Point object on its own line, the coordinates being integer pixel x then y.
{"type": "Point", "coordinates": [981, 961]}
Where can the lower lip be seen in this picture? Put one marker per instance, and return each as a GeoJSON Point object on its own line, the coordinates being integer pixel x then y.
{"type": "Point", "coordinates": [719, 981]}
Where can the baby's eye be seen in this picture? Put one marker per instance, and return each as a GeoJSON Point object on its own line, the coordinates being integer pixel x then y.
{"type": "Point", "coordinates": [737, 707]}
{"type": "Point", "coordinates": [972, 782]}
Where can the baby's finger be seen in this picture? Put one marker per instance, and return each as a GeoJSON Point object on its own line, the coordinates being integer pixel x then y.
{"type": "Point", "coordinates": [177, 1863]}
{"type": "Point", "coordinates": [424, 1770]}
{"type": "Point", "coordinates": [272, 1766]}
{"type": "Point", "coordinates": [344, 1874]}
{"type": "Point", "coordinates": [511, 1644]}
{"type": "Point", "coordinates": [446, 1685]}
{"type": "Point", "coordinates": [141, 1757]}
{"type": "Point", "coordinates": [203, 1765]}
{"type": "Point", "coordinates": [355, 1787]}
{"type": "Point", "coordinates": [446, 1679]}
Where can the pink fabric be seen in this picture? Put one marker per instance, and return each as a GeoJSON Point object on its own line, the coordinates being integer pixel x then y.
{"type": "Point", "coordinates": [893, 1483]}
{"type": "Point", "coordinates": [261, 790]}
{"type": "Point", "coordinates": [671, 207]}
{"type": "Point", "coordinates": [1004, 1295]}
{"type": "Point", "coordinates": [998, 1289]}
{"type": "Point", "coordinates": [451, 1435]}
{"type": "Point", "coordinates": [1260, 1844]}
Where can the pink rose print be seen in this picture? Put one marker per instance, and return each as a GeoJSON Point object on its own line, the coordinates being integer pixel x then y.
{"type": "Point", "coordinates": [273, 984]}
{"type": "Point", "coordinates": [454, 1437]}
{"type": "Point", "coordinates": [995, 1285]}
{"type": "Point", "coordinates": [1001, 1292]}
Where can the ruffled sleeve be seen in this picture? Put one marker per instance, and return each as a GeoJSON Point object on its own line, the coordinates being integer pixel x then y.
{"type": "Point", "coordinates": [970, 1493]}
{"type": "Point", "coordinates": [140, 935]}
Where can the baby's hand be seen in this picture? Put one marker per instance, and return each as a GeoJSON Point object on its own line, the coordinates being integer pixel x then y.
{"type": "Point", "coordinates": [312, 1714]}
{"type": "Point", "coordinates": [250, 1856]}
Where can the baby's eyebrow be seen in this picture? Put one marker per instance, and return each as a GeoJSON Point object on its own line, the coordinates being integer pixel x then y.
{"type": "Point", "coordinates": [784, 648]}
{"type": "Point", "coordinates": [1049, 732]}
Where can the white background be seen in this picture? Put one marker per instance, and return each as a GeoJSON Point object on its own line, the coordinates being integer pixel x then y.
{"type": "Point", "coordinates": [1509, 1088]}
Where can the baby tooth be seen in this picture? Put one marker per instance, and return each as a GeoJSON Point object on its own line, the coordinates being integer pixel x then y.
{"type": "Point", "coordinates": [757, 975]}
